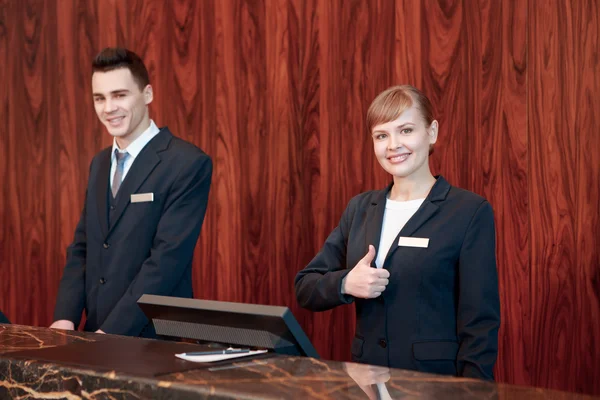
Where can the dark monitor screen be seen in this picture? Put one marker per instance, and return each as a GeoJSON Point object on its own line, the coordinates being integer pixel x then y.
{"type": "Point", "coordinates": [227, 323]}
{"type": "Point", "coordinates": [3, 319]}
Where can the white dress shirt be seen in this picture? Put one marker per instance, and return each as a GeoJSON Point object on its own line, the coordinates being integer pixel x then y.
{"type": "Point", "coordinates": [133, 149]}
{"type": "Point", "coordinates": [397, 214]}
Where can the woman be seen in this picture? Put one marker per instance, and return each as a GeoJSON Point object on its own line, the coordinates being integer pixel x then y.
{"type": "Point", "coordinates": [417, 258]}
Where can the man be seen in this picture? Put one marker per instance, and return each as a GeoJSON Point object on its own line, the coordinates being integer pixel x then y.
{"type": "Point", "coordinates": [145, 204]}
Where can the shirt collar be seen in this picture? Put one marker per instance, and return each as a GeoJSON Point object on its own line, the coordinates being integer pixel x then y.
{"type": "Point", "coordinates": [138, 144]}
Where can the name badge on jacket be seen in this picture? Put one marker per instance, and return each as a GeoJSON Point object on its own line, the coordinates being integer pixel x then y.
{"type": "Point", "coordinates": [413, 242]}
{"type": "Point", "coordinates": [142, 197]}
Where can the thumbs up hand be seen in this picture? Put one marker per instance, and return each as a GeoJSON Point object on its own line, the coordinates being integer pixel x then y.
{"type": "Point", "coordinates": [364, 281]}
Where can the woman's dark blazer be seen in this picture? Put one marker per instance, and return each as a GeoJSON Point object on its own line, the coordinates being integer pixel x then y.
{"type": "Point", "coordinates": [440, 312]}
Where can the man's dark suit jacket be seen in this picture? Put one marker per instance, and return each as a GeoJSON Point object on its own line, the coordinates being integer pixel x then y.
{"type": "Point", "coordinates": [440, 312]}
{"type": "Point", "coordinates": [146, 247]}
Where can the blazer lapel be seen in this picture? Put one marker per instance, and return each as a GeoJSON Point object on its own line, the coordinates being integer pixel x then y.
{"type": "Point", "coordinates": [141, 168]}
{"type": "Point", "coordinates": [428, 209]}
{"type": "Point", "coordinates": [374, 220]}
{"type": "Point", "coordinates": [102, 183]}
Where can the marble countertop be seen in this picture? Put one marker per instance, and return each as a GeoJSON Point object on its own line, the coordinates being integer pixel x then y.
{"type": "Point", "coordinates": [276, 377]}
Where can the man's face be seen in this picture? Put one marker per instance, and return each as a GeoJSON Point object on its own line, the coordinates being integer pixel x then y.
{"type": "Point", "coordinates": [120, 104]}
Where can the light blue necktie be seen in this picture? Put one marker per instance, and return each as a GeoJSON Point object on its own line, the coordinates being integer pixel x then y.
{"type": "Point", "coordinates": [118, 177]}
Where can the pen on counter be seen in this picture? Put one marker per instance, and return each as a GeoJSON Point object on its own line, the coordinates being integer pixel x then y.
{"type": "Point", "coordinates": [214, 352]}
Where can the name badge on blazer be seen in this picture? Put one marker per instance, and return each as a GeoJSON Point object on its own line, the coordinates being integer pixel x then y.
{"type": "Point", "coordinates": [413, 242]}
{"type": "Point", "coordinates": [142, 197]}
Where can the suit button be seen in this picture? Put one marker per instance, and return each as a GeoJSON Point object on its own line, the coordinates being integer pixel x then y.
{"type": "Point", "coordinates": [102, 281]}
{"type": "Point", "coordinates": [112, 207]}
{"type": "Point", "coordinates": [106, 245]}
{"type": "Point", "coordinates": [382, 343]}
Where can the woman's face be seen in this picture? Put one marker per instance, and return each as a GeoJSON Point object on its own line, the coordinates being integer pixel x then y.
{"type": "Point", "coordinates": [402, 146]}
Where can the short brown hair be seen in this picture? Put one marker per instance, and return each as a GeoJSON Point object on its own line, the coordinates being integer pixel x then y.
{"type": "Point", "coordinates": [112, 58]}
{"type": "Point", "coordinates": [392, 102]}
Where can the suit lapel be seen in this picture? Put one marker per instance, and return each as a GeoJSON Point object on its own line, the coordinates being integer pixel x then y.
{"type": "Point", "coordinates": [102, 183]}
{"type": "Point", "coordinates": [374, 220]}
{"type": "Point", "coordinates": [139, 171]}
{"type": "Point", "coordinates": [428, 209]}
{"type": "Point", "coordinates": [423, 214]}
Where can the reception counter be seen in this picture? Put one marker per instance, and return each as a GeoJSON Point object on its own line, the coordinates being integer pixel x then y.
{"type": "Point", "coordinates": [42, 363]}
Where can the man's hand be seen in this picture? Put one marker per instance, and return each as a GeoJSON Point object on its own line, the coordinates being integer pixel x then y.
{"type": "Point", "coordinates": [63, 324]}
{"type": "Point", "coordinates": [364, 281]}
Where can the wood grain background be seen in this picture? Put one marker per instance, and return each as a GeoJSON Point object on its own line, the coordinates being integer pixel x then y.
{"type": "Point", "coordinates": [276, 92]}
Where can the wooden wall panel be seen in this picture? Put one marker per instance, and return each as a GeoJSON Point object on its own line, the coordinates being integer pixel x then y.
{"type": "Point", "coordinates": [30, 216]}
{"type": "Point", "coordinates": [6, 269]}
{"type": "Point", "coordinates": [563, 188]}
{"type": "Point", "coordinates": [501, 172]}
{"type": "Point", "coordinates": [584, 46]}
{"type": "Point", "coordinates": [276, 92]}
{"type": "Point", "coordinates": [242, 73]}
{"type": "Point", "coordinates": [449, 65]}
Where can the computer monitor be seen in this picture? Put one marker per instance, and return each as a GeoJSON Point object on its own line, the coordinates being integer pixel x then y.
{"type": "Point", "coordinates": [3, 319]}
{"type": "Point", "coordinates": [228, 323]}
